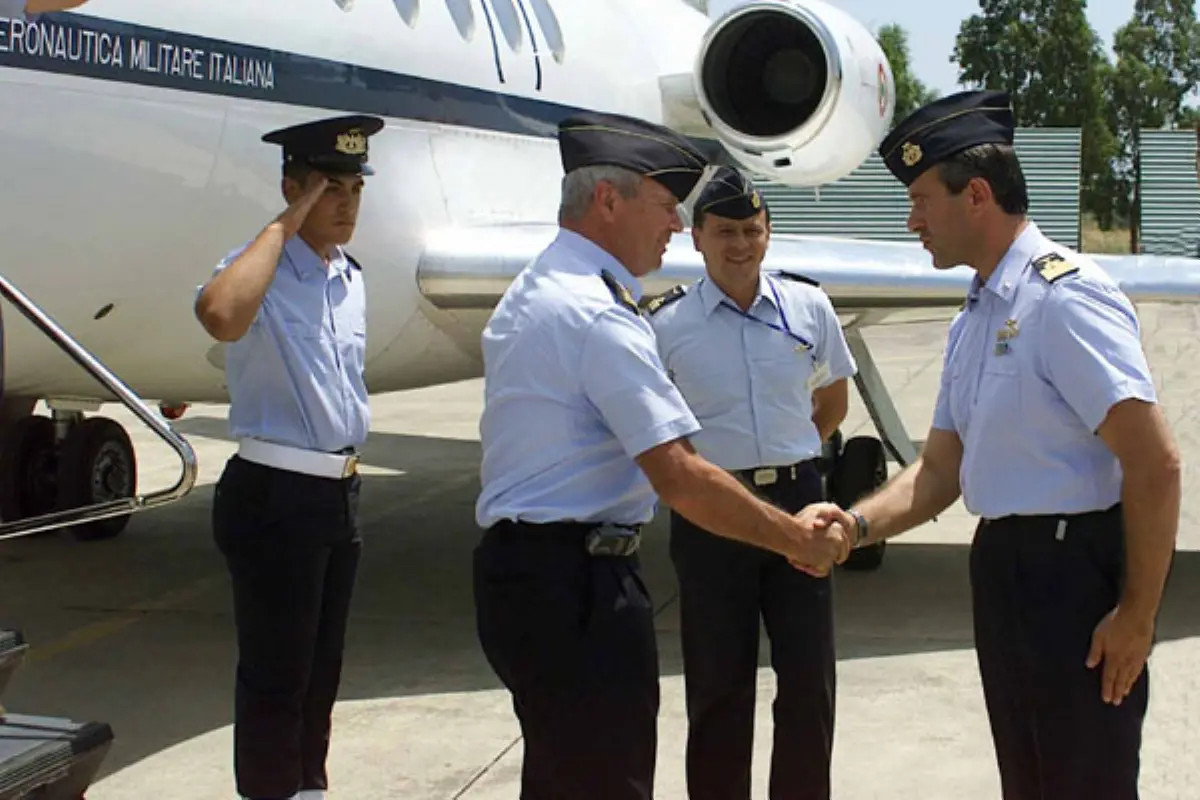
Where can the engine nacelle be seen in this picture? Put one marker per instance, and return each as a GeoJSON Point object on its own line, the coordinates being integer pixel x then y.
{"type": "Point", "coordinates": [796, 90]}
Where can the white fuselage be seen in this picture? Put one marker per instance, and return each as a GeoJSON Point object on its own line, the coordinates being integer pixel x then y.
{"type": "Point", "coordinates": [132, 167]}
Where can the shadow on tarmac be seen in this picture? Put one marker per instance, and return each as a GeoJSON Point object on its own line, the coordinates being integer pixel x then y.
{"type": "Point", "coordinates": [137, 631]}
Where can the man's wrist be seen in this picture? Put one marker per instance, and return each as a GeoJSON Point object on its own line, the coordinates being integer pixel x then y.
{"type": "Point", "coordinates": [861, 527]}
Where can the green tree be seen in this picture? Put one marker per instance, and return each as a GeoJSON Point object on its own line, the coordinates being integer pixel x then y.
{"type": "Point", "coordinates": [1047, 56]}
{"type": "Point", "coordinates": [1158, 66]}
{"type": "Point", "coordinates": [911, 93]}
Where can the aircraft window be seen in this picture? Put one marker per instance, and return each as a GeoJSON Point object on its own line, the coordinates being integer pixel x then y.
{"type": "Point", "coordinates": [548, 22]}
{"type": "Point", "coordinates": [464, 17]}
{"type": "Point", "coordinates": [408, 11]}
{"type": "Point", "coordinates": [510, 23]}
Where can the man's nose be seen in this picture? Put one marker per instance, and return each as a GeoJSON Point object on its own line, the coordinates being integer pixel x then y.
{"type": "Point", "coordinates": [676, 222]}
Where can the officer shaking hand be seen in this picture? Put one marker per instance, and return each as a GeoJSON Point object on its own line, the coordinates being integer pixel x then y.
{"type": "Point", "coordinates": [581, 429]}
{"type": "Point", "coordinates": [1047, 423]}
{"type": "Point", "coordinates": [761, 360]}
{"type": "Point", "coordinates": [292, 307]}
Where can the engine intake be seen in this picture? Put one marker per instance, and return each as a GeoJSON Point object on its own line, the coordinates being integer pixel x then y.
{"type": "Point", "coordinates": [797, 90]}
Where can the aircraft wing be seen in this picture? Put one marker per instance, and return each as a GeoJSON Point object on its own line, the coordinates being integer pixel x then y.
{"type": "Point", "coordinates": [869, 282]}
{"type": "Point", "coordinates": [465, 272]}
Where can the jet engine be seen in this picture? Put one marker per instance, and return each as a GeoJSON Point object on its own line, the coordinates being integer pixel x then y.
{"type": "Point", "coordinates": [796, 90]}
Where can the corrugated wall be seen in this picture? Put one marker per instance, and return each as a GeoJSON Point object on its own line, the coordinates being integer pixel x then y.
{"type": "Point", "coordinates": [1170, 194]}
{"type": "Point", "coordinates": [870, 204]}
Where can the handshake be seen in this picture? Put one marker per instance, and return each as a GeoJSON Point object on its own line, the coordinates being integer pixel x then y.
{"type": "Point", "coordinates": [821, 535]}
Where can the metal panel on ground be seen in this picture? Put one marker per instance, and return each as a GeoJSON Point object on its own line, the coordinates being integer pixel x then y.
{"type": "Point", "coordinates": [1170, 194]}
{"type": "Point", "coordinates": [870, 204]}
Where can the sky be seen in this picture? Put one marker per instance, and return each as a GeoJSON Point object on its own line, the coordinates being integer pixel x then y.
{"type": "Point", "coordinates": [932, 26]}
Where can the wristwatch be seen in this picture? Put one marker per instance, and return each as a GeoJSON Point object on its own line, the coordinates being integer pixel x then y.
{"type": "Point", "coordinates": [860, 522]}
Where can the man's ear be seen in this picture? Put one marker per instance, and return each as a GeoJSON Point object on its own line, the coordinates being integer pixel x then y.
{"type": "Point", "coordinates": [696, 238]}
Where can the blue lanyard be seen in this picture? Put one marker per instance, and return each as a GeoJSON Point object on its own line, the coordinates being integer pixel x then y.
{"type": "Point", "coordinates": [785, 329]}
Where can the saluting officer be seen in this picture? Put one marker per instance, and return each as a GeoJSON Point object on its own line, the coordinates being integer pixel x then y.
{"type": "Point", "coordinates": [761, 360]}
{"type": "Point", "coordinates": [1047, 423]}
{"type": "Point", "coordinates": [292, 306]}
{"type": "Point", "coordinates": [581, 426]}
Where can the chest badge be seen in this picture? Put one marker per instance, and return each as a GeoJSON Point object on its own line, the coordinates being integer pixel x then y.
{"type": "Point", "coordinates": [1005, 335]}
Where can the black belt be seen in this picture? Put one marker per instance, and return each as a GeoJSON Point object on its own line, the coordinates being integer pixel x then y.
{"type": "Point", "coordinates": [1050, 522]}
{"type": "Point", "coordinates": [598, 538]}
{"type": "Point", "coordinates": [769, 476]}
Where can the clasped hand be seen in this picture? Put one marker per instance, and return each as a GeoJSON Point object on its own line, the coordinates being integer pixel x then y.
{"type": "Point", "coordinates": [820, 539]}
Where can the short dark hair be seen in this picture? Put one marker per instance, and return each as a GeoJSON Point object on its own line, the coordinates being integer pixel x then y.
{"type": "Point", "coordinates": [698, 216]}
{"type": "Point", "coordinates": [995, 163]}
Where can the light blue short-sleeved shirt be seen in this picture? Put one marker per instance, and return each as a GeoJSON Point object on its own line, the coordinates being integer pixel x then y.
{"type": "Point", "coordinates": [1031, 369]}
{"type": "Point", "coordinates": [748, 381]}
{"type": "Point", "coordinates": [296, 377]}
{"type": "Point", "coordinates": [573, 391]}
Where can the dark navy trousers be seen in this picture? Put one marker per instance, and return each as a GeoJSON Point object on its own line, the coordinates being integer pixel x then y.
{"type": "Point", "coordinates": [292, 547]}
{"type": "Point", "coordinates": [571, 635]}
{"type": "Point", "coordinates": [725, 588]}
{"type": "Point", "coordinates": [1040, 587]}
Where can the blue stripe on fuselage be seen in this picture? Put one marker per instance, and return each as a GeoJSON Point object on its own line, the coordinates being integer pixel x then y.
{"type": "Point", "coordinates": [73, 44]}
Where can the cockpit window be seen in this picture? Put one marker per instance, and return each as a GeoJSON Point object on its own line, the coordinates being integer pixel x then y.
{"type": "Point", "coordinates": [408, 10]}
{"type": "Point", "coordinates": [510, 23]}
{"type": "Point", "coordinates": [548, 22]}
{"type": "Point", "coordinates": [464, 17]}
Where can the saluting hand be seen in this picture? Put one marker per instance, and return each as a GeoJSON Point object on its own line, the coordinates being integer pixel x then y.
{"type": "Point", "coordinates": [1122, 641]}
{"type": "Point", "coordinates": [292, 218]}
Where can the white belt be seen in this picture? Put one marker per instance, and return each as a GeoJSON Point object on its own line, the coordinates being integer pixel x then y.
{"type": "Point", "coordinates": [294, 459]}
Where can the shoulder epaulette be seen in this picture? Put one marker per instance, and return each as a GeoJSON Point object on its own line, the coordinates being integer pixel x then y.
{"type": "Point", "coordinates": [619, 292]}
{"type": "Point", "coordinates": [1052, 266]}
{"type": "Point", "coordinates": [352, 261]}
{"type": "Point", "coordinates": [657, 303]}
{"type": "Point", "coordinates": [795, 276]}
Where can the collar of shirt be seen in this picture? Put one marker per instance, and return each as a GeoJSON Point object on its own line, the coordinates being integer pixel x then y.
{"type": "Point", "coordinates": [1003, 281]}
{"type": "Point", "coordinates": [712, 295]}
{"type": "Point", "coordinates": [595, 258]}
{"type": "Point", "coordinates": [306, 263]}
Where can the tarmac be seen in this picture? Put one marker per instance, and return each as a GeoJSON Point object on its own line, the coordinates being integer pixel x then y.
{"type": "Point", "coordinates": [137, 631]}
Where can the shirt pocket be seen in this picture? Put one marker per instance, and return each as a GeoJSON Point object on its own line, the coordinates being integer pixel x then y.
{"type": "Point", "coordinates": [999, 395]}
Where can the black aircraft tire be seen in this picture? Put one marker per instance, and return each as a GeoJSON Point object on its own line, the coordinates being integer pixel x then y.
{"type": "Point", "coordinates": [861, 469]}
{"type": "Point", "coordinates": [97, 464]}
{"type": "Point", "coordinates": [27, 469]}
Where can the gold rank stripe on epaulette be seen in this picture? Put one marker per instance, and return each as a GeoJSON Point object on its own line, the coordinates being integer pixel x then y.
{"type": "Point", "coordinates": [1052, 266]}
{"type": "Point", "coordinates": [619, 292]}
{"type": "Point", "coordinates": [656, 304]}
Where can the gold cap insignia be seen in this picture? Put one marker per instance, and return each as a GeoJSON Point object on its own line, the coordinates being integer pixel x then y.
{"type": "Point", "coordinates": [352, 143]}
{"type": "Point", "coordinates": [755, 200]}
{"type": "Point", "coordinates": [911, 154]}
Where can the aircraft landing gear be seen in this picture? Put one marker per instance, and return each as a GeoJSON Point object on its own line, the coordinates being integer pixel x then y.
{"type": "Point", "coordinates": [66, 462]}
{"type": "Point", "coordinates": [854, 469]}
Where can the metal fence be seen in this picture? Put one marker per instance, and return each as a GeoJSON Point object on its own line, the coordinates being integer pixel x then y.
{"type": "Point", "coordinates": [1170, 194]}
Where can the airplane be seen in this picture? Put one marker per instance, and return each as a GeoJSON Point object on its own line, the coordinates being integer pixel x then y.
{"type": "Point", "coordinates": [131, 132]}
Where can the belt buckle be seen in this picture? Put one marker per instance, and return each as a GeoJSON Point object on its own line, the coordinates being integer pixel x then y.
{"type": "Point", "coordinates": [351, 466]}
{"type": "Point", "coordinates": [765, 476]}
{"type": "Point", "coordinates": [600, 543]}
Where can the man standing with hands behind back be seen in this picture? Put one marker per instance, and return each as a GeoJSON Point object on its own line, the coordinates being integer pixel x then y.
{"type": "Point", "coordinates": [292, 306]}
{"type": "Point", "coordinates": [1047, 423]}
{"type": "Point", "coordinates": [761, 360]}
